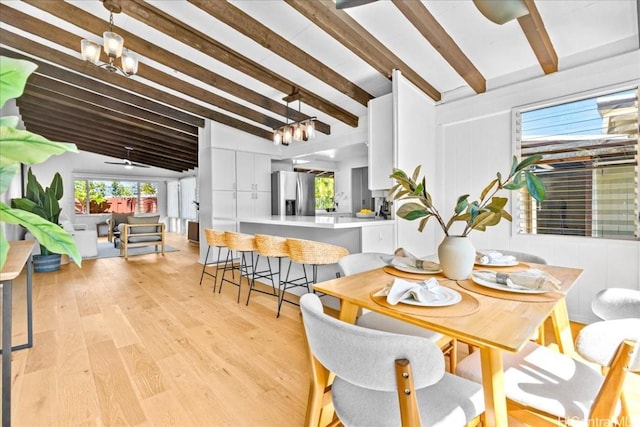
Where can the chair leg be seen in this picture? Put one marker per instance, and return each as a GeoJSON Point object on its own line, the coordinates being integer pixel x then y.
{"type": "Point", "coordinates": [215, 277]}
{"type": "Point", "coordinates": [252, 284]}
{"type": "Point", "coordinates": [224, 270]}
{"type": "Point", "coordinates": [206, 258]}
{"type": "Point", "coordinates": [282, 292]}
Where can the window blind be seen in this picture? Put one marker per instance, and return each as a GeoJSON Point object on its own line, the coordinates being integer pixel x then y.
{"type": "Point", "coordinates": [589, 166]}
{"type": "Point", "coordinates": [173, 210]}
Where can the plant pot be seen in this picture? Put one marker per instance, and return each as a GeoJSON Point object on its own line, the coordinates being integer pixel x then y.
{"type": "Point", "coordinates": [456, 255]}
{"type": "Point", "coordinates": [46, 263]}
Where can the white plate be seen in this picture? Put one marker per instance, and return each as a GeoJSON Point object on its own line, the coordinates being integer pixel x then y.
{"type": "Point", "coordinates": [510, 264]}
{"type": "Point", "coordinates": [414, 270]}
{"type": "Point", "coordinates": [452, 297]}
{"type": "Point", "coordinates": [501, 287]}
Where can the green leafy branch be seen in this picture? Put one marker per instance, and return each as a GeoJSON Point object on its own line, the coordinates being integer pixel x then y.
{"type": "Point", "coordinates": [479, 214]}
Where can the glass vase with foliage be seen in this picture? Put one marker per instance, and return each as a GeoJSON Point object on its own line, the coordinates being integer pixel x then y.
{"type": "Point", "coordinates": [21, 146]}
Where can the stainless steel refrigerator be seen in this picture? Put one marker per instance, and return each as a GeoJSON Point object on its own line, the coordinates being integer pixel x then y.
{"type": "Point", "coordinates": [293, 193]}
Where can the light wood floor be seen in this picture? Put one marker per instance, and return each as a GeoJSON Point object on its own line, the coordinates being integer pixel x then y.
{"type": "Point", "coordinates": [139, 342]}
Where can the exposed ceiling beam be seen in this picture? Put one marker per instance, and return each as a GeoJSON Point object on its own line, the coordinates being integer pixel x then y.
{"type": "Point", "coordinates": [56, 112]}
{"type": "Point", "coordinates": [161, 21]}
{"type": "Point", "coordinates": [82, 19]}
{"type": "Point", "coordinates": [87, 126]}
{"type": "Point", "coordinates": [107, 149]}
{"type": "Point", "coordinates": [339, 25]}
{"type": "Point", "coordinates": [417, 13]}
{"type": "Point", "coordinates": [59, 74]}
{"type": "Point", "coordinates": [261, 34]}
{"type": "Point", "coordinates": [23, 44]}
{"type": "Point", "coordinates": [538, 38]}
{"type": "Point", "coordinates": [106, 114]}
{"type": "Point", "coordinates": [89, 98]}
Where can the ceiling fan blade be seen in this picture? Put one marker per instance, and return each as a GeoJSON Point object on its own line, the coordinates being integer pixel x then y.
{"type": "Point", "coordinates": [140, 165]}
{"type": "Point", "coordinates": [116, 163]}
{"type": "Point", "coordinates": [345, 4]}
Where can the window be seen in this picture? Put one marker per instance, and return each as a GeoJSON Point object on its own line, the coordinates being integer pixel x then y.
{"type": "Point", "coordinates": [95, 197]}
{"type": "Point", "coordinates": [324, 192]}
{"type": "Point", "coordinates": [589, 166]}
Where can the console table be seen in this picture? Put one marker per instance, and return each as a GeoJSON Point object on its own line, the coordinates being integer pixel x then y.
{"type": "Point", "coordinates": [19, 255]}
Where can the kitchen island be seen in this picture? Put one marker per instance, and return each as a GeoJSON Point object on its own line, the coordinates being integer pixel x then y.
{"type": "Point", "coordinates": [355, 234]}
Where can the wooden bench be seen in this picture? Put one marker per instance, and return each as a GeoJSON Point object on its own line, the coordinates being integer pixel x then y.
{"type": "Point", "coordinates": [137, 235]}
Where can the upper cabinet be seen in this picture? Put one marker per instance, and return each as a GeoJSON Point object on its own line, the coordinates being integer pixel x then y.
{"type": "Point", "coordinates": [380, 142]}
{"type": "Point", "coordinates": [224, 169]}
{"type": "Point", "coordinates": [253, 171]}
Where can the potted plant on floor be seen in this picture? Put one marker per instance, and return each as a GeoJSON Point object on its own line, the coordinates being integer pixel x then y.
{"type": "Point", "coordinates": [456, 253]}
{"type": "Point", "coordinates": [21, 146]}
{"type": "Point", "coordinates": [45, 203]}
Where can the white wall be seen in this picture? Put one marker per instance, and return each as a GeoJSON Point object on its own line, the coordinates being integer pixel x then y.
{"type": "Point", "coordinates": [474, 140]}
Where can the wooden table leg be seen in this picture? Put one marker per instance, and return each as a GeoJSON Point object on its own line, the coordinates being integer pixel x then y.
{"type": "Point", "coordinates": [348, 312]}
{"type": "Point", "coordinates": [495, 400]}
{"type": "Point", "coordinates": [562, 328]}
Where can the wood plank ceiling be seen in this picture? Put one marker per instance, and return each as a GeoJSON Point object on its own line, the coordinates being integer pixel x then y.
{"type": "Point", "coordinates": [159, 111]}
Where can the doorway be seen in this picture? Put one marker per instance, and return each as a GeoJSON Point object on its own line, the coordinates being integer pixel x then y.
{"type": "Point", "coordinates": [360, 189]}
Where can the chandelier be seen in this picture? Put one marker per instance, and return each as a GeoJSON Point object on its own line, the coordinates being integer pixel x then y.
{"type": "Point", "coordinates": [302, 130]}
{"type": "Point", "coordinates": [113, 45]}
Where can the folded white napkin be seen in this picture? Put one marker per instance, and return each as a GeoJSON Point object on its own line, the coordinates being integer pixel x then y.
{"type": "Point", "coordinates": [494, 257]}
{"type": "Point", "coordinates": [526, 279]}
{"type": "Point", "coordinates": [425, 292]}
{"type": "Point", "coordinates": [404, 258]}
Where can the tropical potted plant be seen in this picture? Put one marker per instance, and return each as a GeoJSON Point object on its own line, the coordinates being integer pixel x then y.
{"type": "Point", "coordinates": [456, 253]}
{"type": "Point", "coordinates": [21, 146]}
{"type": "Point", "coordinates": [43, 202]}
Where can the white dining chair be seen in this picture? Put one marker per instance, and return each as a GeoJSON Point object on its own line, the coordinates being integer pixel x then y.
{"type": "Point", "coordinates": [616, 303]}
{"type": "Point", "coordinates": [560, 390]}
{"type": "Point", "coordinates": [357, 263]}
{"type": "Point", "coordinates": [385, 379]}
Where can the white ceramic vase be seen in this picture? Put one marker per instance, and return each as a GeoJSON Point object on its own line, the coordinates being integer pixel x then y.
{"type": "Point", "coordinates": [456, 255]}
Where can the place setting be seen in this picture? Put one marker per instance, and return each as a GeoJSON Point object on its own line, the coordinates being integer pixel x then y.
{"type": "Point", "coordinates": [531, 285]}
{"type": "Point", "coordinates": [404, 264]}
{"type": "Point", "coordinates": [496, 259]}
{"type": "Point", "coordinates": [429, 298]}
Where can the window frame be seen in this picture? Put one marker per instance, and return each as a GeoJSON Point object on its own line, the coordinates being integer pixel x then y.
{"type": "Point", "coordinates": [138, 180]}
{"type": "Point", "coordinates": [516, 150]}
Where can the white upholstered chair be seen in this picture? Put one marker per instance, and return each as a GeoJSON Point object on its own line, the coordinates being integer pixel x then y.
{"type": "Point", "coordinates": [616, 303]}
{"type": "Point", "coordinates": [559, 390]}
{"type": "Point", "coordinates": [385, 379]}
{"type": "Point", "coordinates": [357, 263]}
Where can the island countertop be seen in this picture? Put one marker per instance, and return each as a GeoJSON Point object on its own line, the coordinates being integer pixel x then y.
{"type": "Point", "coordinates": [316, 221]}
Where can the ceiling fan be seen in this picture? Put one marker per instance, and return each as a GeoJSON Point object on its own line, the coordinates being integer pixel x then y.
{"type": "Point", "coordinates": [345, 4]}
{"type": "Point", "coordinates": [127, 163]}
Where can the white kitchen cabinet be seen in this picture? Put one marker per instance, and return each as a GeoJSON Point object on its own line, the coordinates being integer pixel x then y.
{"type": "Point", "coordinates": [224, 204]}
{"type": "Point", "coordinates": [253, 204]}
{"type": "Point", "coordinates": [253, 171]}
{"type": "Point", "coordinates": [380, 144]}
{"type": "Point", "coordinates": [378, 238]}
{"type": "Point", "coordinates": [223, 169]}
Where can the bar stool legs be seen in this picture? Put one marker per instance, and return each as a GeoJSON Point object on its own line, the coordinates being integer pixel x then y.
{"type": "Point", "coordinates": [269, 275]}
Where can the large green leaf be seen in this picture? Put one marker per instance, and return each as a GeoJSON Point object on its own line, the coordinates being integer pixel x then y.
{"type": "Point", "coordinates": [462, 203]}
{"type": "Point", "coordinates": [35, 192]}
{"type": "Point", "coordinates": [535, 187]}
{"type": "Point", "coordinates": [11, 121]}
{"type": "Point", "coordinates": [51, 206]}
{"type": "Point", "coordinates": [411, 211]}
{"type": "Point", "coordinates": [4, 248]}
{"type": "Point", "coordinates": [7, 173]}
{"type": "Point", "coordinates": [528, 162]}
{"type": "Point", "coordinates": [49, 235]}
{"type": "Point", "coordinates": [56, 186]}
{"type": "Point", "coordinates": [26, 147]}
{"type": "Point", "coordinates": [13, 77]}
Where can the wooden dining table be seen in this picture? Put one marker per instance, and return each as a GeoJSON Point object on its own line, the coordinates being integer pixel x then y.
{"type": "Point", "coordinates": [494, 321]}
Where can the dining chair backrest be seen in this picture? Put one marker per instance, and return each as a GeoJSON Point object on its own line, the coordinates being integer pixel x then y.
{"type": "Point", "coordinates": [271, 246]}
{"type": "Point", "coordinates": [366, 357]}
{"type": "Point", "coordinates": [357, 263]}
{"type": "Point", "coordinates": [240, 241]}
{"type": "Point", "coordinates": [616, 303]}
{"type": "Point", "coordinates": [599, 341]}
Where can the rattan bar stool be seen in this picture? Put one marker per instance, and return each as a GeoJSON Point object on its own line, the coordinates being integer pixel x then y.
{"type": "Point", "coordinates": [245, 246]}
{"type": "Point", "coordinates": [309, 252]}
{"type": "Point", "coordinates": [215, 239]}
{"type": "Point", "coordinates": [270, 247]}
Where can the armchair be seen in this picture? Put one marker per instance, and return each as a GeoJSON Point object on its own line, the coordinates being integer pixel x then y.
{"type": "Point", "coordinates": [141, 231]}
{"type": "Point", "coordinates": [113, 223]}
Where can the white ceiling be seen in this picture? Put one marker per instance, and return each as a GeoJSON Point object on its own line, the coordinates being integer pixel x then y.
{"type": "Point", "coordinates": [581, 31]}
